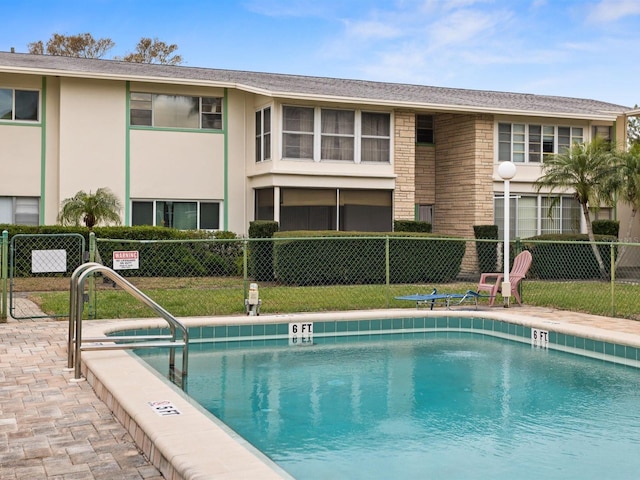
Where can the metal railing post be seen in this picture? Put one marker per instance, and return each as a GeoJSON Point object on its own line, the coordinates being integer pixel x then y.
{"type": "Point", "coordinates": [92, 280]}
{"type": "Point", "coordinates": [78, 279]}
{"type": "Point", "coordinates": [73, 305]}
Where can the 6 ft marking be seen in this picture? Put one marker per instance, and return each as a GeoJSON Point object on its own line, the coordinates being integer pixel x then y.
{"type": "Point", "coordinates": [539, 338]}
{"type": "Point", "coordinates": [300, 333]}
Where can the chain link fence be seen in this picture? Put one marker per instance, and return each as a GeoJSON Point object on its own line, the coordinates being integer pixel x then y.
{"type": "Point", "coordinates": [213, 277]}
{"type": "Point", "coordinates": [40, 263]}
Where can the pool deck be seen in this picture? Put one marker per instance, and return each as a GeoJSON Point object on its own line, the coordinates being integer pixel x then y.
{"type": "Point", "coordinates": [54, 428]}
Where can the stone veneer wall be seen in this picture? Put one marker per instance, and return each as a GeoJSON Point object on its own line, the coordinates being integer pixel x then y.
{"type": "Point", "coordinates": [464, 178]}
{"type": "Point", "coordinates": [463, 173]}
{"type": "Point", "coordinates": [425, 174]}
{"type": "Point", "coordinates": [404, 153]}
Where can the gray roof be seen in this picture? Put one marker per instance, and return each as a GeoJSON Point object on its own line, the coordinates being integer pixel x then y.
{"type": "Point", "coordinates": [319, 88]}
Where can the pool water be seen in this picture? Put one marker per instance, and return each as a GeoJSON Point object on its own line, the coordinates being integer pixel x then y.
{"type": "Point", "coordinates": [422, 406]}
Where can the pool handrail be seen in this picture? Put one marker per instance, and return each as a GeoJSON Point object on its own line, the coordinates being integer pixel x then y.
{"type": "Point", "coordinates": [76, 307]}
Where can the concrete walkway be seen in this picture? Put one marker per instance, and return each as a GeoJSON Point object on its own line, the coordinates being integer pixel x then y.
{"type": "Point", "coordinates": [51, 428]}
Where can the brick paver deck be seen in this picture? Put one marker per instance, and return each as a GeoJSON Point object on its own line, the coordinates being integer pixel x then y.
{"type": "Point", "coordinates": [51, 428]}
{"type": "Point", "coordinates": [55, 429]}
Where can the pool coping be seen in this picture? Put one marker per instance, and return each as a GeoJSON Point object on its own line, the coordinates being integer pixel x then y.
{"type": "Point", "coordinates": [195, 445]}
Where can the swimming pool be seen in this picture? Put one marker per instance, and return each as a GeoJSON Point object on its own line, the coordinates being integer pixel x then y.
{"type": "Point", "coordinates": [426, 404]}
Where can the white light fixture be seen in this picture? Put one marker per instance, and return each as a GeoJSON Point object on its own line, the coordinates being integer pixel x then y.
{"type": "Point", "coordinates": [506, 170]}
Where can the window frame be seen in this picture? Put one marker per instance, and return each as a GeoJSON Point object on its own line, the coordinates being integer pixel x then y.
{"type": "Point", "coordinates": [532, 142]}
{"type": "Point", "coordinates": [14, 108]}
{"type": "Point", "coordinates": [423, 131]}
{"type": "Point", "coordinates": [155, 213]}
{"type": "Point", "coordinates": [339, 209]}
{"type": "Point", "coordinates": [263, 136]}
{"type": "Point", "coordinates": [18, 202]}
{"type": "Point", "coordinates": [567, 209]}
{"type": "Point", "coordinates": [316, 135]}
{"type": "Point", "coordinates": [142, 102]}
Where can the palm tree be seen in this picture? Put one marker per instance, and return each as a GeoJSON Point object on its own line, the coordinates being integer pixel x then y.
{"type": "Point", "coordinates": [626, 186]}
{"type": "Point", "coordinates": [103, 206]}
{"type": "Point", "coordinates": [585, 168]}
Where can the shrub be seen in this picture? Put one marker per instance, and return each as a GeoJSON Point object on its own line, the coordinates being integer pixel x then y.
{"type": "Point", "coordinates": [261, 252]}
{"type": "Point", "coordinates": [411, 226]}
{"type": "Point", "coordinates": [566, 256]}
{"type": "Point", "coordinates": [164, 252]}
{"type": "Point", "coordinates": [328, 258]}
{"type": "Point", "coordinates": [487, 251]}
{"type": "Point", "coordinates": [606, 227]}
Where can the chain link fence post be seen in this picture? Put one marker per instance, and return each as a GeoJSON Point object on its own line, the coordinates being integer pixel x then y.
{"type": "Point", "coordinates": [245, 269]}
{"type": "Point", "coordinates": [93, 298]}
{"type": "Point", "coordinates": [387, 270]}
{"type": "Point", "coordinates": [612, 255]}
{"type": "Point", "coordinates": [4, 262]}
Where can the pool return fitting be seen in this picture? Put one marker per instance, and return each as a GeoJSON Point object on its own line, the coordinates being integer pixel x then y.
{"type": "Point", "coordinates": [252, 304]}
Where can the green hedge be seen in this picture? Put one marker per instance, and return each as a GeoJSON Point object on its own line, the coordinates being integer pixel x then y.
{"type": "Point", "coordinates": [411, 226]}
{"type": "Point", "coordinates": [567, 261]}
{"type": "Point", "coordinates": [606, 227]}
{"type": "Point", "coordinates": [330, 258]}
{"type": "Point", "coordinates": [261, 252]}
{"type": "Point", "coordinates": [487, 251]}
{"type": "Point", "coordinates": [172, 253]}
{"type": "Point", "coordinates": [183, 253]}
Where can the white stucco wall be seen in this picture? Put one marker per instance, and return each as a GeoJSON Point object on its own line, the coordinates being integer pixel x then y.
{"type": "Point", "coordinates": [20, 151]}
{"type": "Point", "coordinates": [92, 136]}
{"type": "Point", "coordinates": [176, 165]}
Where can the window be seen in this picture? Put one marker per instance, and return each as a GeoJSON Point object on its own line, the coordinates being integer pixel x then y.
{"type": "Point", "coordinates": [19, 105]}
{"type": "Point", "coordinates": [531, 215]}
{"type": "Point", "coordinates": [297, 132]}
{"type": "Point", "coordinates": [308, 209]}
{"type": "Point", "coordinates": [425, 213]}
{"type": "Point", "coordinates": [338, 131]}
{"type": "Point", "coordinates": [603, 132]}
{"type": "Point", "coordinates": [20, 210]}
{"type": "Point", "coordinates": [331, 209]}
{"type": "Point", "coordinates": [376, 137]}
{"type": "Point", "coordinates": [424, 129]}
{"type": "Point", "coordinates": [183, 215]}
{"type": "Point", "coordinates": [263, 134]}
{"type": "Point", "coordinates": [264, 204]}
{"type": "Point", "coordinates": [519, 142]}
{"type": "Point", "coordinates": [175, 111]}
{"type": "Point", "coordinates": [342, 135]}
{"type": "Point", "coordinates": [365, 210]}
{"type": "Point", "coordinates": [567, 136]}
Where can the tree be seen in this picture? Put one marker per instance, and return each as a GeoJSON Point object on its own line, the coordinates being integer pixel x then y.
{"type": "Point", "coordinates": [85, 46]}
{"type": "Point", "coordinates": [103, 206]}
{"type": "Point", "coordinates": [154, 51]}
{"type": "Point", "coordinates": [633, 129]}
{"type": "Point", "coordinates": [586, 169]}
{"type": "Point", "coordinates": [82, 45]}
{"type": "Point", "coordinates": [625, 186]}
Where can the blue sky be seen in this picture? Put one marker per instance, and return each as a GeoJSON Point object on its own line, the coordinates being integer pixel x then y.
{"type": "Point", "coordinates": [579, 48]}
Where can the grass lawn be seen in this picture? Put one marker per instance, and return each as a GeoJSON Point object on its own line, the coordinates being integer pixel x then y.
{"type": "Point", "coordinates": [185, 297]}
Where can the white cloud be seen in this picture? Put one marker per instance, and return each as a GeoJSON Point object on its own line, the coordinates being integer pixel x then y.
{"type": "Point", "coordinates": [612, 10]}
{"type": "Point", "coordinates": [463, 27]}
{"type": "Point", "coordinates": [371, 29]}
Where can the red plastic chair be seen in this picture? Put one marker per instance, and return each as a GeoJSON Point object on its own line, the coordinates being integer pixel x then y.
{"type": "Point", "coordinates": [492, 282]}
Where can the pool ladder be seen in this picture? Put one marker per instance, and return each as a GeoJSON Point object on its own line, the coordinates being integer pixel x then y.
{"type": "Point", "coordinates": [76, 343]}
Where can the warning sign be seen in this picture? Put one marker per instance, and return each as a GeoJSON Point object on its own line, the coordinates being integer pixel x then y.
{"type": "Point", "coordinates": [126, 260]}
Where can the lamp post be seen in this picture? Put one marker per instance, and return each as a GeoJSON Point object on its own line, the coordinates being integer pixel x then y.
{"type": "Point", "coordinates": [506, 170]}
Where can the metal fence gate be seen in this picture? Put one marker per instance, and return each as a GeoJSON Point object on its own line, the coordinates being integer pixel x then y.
{"type": "Point", "coordinates": [41, 262]}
